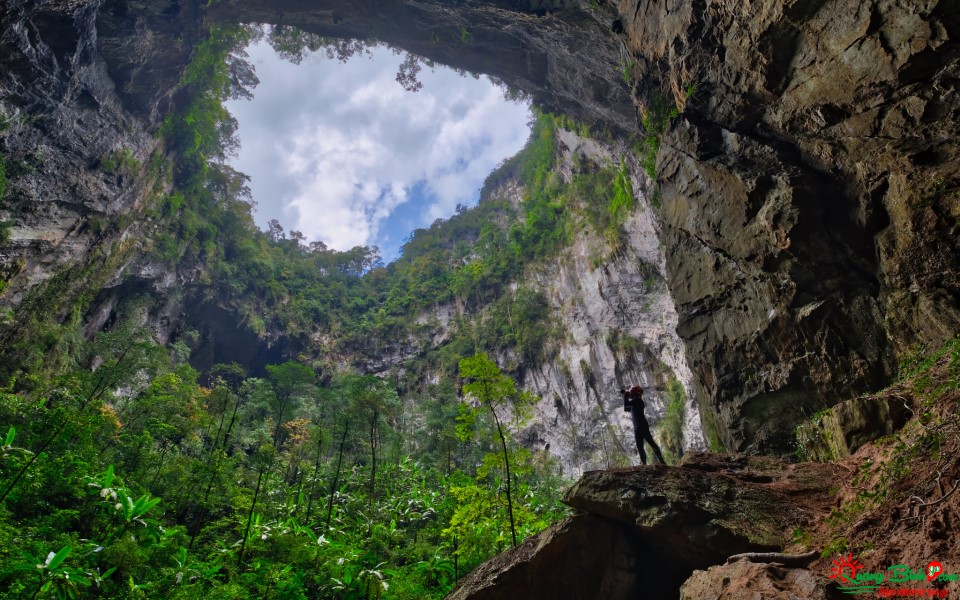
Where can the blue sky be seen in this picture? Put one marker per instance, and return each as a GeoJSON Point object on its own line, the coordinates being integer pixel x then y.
{"type": "Point", "coordinates": [342, 153]}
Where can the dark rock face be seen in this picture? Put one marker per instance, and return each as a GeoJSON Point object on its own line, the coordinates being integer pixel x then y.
{"type": "Point", "coordinates": [560, 54]}
{"type": "Point", "coordinates": [66, 204]}
{"type": "Point", "coordinates": [644, 531]}
{"type": "Point", "coordinates": [808, 193]}
{"type": "Point", "coordinates": [839, 431]}
{"type": "Point", "coordinates": [711, 507]}
{"type": "Point", "coordinates": [564, 561]}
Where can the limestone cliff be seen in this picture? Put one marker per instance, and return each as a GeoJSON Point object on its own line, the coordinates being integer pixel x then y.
{"type": "Point", "coordinates": [620, 325]}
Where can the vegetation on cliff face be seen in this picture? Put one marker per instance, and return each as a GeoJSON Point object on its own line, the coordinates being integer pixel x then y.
{"type": "Point", "coordinates": [125, 473]}
{"type": "Point", "coordinates": [904, 482]}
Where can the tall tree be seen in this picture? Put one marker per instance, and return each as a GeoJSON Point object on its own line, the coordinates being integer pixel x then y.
{"type": "Point", "coordinates": [288, 380]}
{"type": "Point", "coordinates": [495, 392]}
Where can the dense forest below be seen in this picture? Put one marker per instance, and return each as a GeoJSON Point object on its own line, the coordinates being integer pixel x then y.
{"type": "Point", "coordinates": [130, 470]}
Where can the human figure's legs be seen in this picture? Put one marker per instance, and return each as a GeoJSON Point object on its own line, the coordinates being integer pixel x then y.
{"type": "Point", "coordinates": [639, 427]}
{"type": "Point", "coordinates": [653, 444]}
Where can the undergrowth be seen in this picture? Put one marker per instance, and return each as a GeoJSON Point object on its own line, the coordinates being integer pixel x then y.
{"type": "Point", "coordinates": [914, 460]}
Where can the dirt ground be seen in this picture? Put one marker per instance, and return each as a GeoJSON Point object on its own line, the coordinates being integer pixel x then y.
{"type": "Point", "coordinates": [897, 500]}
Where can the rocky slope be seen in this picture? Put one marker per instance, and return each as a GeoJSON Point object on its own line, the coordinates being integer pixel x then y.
{"type": "Point", "coordinates": [642, 532]}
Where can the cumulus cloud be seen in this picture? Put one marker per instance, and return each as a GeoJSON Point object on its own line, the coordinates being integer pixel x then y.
{"type": "Point", "coordinates": [335, 149]}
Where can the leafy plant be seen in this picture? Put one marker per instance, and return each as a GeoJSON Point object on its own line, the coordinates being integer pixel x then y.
{"type": "Point", "coordinates": [625, 69]}
{"type": "Point", "coordinates": [494, 390]}
{"type": "Point", "coordinates": [656, 117]}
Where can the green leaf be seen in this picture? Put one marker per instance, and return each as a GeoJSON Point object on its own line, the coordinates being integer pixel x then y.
{"type": "Point", "coordinates": [142, 506]}
{"type": "Point", "coordinates": [108, 477]}
{"type": "Point", "coordinates": [10, 433]}
{"type": "Point", "coordinates": [127, 506]}
{"type": "Point", "coordinates": [54, 560]}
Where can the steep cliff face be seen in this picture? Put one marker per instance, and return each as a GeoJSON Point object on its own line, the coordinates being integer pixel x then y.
{"type": "Point", "coordinates": [620, 329]}
{"type": "Point", "coordinates": [613, 322]}
{"type": "Point", "coordinates": [63, 119]}
{"type": "Point", "coordinates": [81, 180]}
{"type": "Point", "coordinates": [808, 193]}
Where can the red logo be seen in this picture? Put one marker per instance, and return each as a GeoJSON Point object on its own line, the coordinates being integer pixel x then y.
{"type": "Point", "coordinates": [839, 567]}
{"type": "Point", "coordinates": [934, 569]}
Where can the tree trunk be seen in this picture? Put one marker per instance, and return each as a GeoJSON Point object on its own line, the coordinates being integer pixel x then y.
{"type": "Point", "coordinates": [336, 476]}
{"type": "Point", "coordinates": [253, 505]}
{"type": "Point", "coordinates": [313, 482]}
{"type": "Point", "coordinates": [506, 461]}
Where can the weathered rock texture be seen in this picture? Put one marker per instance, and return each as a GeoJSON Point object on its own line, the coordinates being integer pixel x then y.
{"type": "Point", "coordinates": [644, 531]}
{"type": "Point", "coordinates": [839, 431]}
{"type": "Point", "coordinates": [770, 581]}
{"type": "Point", "coordinates": [566, 561]}
{"type": "Point", "coordinates": [557, 51]}
{"type": "Point", "coordinates": [809, 195]}
{"type": "Point", "coordinates": [619, 327]}
{"type": "Point", "coordinates": [64, 118]}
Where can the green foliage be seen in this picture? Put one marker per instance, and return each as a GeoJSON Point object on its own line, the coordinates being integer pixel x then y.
{"type": "Point", "coordinates": [120, 161]}
{"type": "Point", "coordinates": [711, 433]}
{"type": "Point", "coordinates": [193, 459]}
{"type": "Point", "coordinates": [625, 68]}
{"type": "Point", "coordinates": [608, 200]}
{"type": "Point", "coordinates": [494, 391]}
{"type": "Point", "coordinates": [656, 119]}
{"type": "Point", "coordinates": [621, 204]}
{"type": "Point", "coordinates": [671, 426]}
{"type": "Point", "coordinates": [811, 434]}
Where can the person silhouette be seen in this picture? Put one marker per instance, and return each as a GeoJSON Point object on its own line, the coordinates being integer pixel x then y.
{"type": "Point", "coordinates": [633, 403]}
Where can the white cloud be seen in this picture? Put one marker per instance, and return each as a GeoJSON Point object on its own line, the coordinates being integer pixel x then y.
{"type": "Point", "coordinates": [333, 149]}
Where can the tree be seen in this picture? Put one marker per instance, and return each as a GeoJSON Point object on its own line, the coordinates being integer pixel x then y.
{"type": "Point", "coordinates": [372, 399]}
{"type": "Point", "coordinates": [494, 391]}
{"type": "Point", "coordinates": [287, 380]}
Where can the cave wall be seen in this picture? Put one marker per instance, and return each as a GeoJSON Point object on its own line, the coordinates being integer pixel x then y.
{"type": "Point", "coordinates": [556, 51]}
{"type": "Point", "coordinates": [810, 196]}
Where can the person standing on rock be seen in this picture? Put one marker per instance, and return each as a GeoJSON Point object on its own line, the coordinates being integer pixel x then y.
{"type": "Point", "coordinates": [633, 403]}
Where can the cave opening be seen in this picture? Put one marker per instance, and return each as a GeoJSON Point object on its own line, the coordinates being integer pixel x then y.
{"type": "Point", "coordinates": [354, 143]}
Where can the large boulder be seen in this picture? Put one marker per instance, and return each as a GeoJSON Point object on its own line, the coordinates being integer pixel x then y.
{"type": "Point", "coordinates": [643, 531]}
{"type": "Point", "coordinates": [770, 581]}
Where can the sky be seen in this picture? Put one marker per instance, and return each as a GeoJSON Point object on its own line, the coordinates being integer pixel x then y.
{"type": "Point", "coordinates": [343, 154]}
